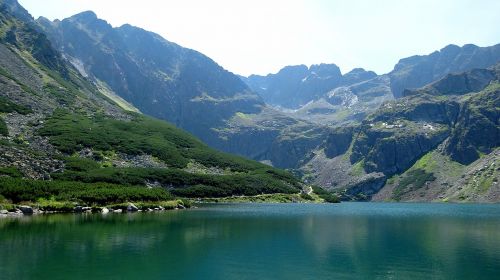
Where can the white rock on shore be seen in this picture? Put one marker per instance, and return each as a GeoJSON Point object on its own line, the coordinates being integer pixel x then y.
{"type": "Point", "coordinates": [132, 208]}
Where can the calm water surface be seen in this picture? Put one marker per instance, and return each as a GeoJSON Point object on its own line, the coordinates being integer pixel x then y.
{"type": "Point", "coordinates": [259, 241]}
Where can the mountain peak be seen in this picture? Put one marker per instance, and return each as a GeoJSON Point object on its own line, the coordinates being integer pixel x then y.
{"type": "Point", "coordinates": [450, 47]}
{"type": "Point", "coordinates": [358, 71]}
{"type": "Point", "coordinates": [86, 16]}
{"type": "Point", "coordinates": [94, 26]}
{"type": "Point", "coordinates": [469, 47]}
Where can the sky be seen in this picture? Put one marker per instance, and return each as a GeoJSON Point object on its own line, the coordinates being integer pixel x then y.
{"type": "Point", "coordinates": [262, 36]}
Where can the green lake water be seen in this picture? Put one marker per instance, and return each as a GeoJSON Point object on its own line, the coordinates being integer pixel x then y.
{"type": "Point", "coordinates": [259, 241]}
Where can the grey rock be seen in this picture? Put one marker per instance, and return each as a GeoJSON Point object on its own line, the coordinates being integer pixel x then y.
{"type": "Point", "coordinates": [366, 186]}
{"type": "Point", "coordinates": [26, 210]}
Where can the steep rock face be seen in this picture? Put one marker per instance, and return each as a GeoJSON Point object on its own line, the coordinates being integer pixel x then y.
{"type": "Point", "coordinates": [292, 152]}
{"type": "Point", "coordinates": [478, 127]}
{"type": "Point", "coordinates": [338, 141]}
{"type": "Point", "coordinates": [295, 86]}
{"type": "Point", "coordinates": [417, 71]}
{"type": "Point", "coordinates": [364, 187]}
{"type": "Point", "coordinates": [160, 78]}
{"type": "Point", "coordinates": [393, 148]}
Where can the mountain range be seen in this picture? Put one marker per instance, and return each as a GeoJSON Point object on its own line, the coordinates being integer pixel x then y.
{"type": "Point", "coordinates": [427, 130]}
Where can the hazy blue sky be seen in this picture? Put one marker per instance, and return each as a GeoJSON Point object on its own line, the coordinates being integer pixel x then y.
{"type": "Point", "coordinates": [262, 36]}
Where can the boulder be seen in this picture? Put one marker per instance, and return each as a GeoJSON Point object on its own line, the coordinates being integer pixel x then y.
{"type": "Point", "coordinates": [105, 210]}
{"type": "Point", "coordinates": [132, 208]}
{"type": "Point", "coordinates": [117, 211]}
{"type": "Point", "coordinates": [4, 212]}
{"type": "Point", "coordinates": [26, 210]}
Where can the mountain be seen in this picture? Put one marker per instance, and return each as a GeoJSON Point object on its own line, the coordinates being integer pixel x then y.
{"type": "Point", "coordinates": [325, 96]}
{"type": "Point", "coordinates": [64, 137]}
{"type": "Point", "coordinates": [321, 94]}
{"type": "Point", "coordinates": [173, 83]}
{"type": "Point", "coordinates": [160, 78]}
{"type": "Point", "coordinates": [417, 71]}
{"type": "Point", "coordinates": [295, 86]}
{"type": "Point", "coordinates": [439, 142]}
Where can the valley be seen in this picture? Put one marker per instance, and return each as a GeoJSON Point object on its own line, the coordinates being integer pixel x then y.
{"type": "Point", "coordinates": [83, 101]}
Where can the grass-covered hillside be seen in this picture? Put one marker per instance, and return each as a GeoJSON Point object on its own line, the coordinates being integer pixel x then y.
{"type": "Point", "coordinates": [65, 142]}
{"type": "Point", "coordinates": [145, 151]}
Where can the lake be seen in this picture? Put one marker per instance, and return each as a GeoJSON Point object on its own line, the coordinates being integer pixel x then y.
{"type": "Point", "coordinates": [259, 241]}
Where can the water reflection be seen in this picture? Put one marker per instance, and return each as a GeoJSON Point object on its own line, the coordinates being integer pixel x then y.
{"type": "Point", "coordinates": [258, 241]}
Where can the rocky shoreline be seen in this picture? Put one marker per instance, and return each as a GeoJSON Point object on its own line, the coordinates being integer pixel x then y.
{"type": "Point", "coordinates": [26, 210]}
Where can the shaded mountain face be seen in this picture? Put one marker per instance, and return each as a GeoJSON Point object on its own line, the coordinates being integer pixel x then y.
{"type": "Point", "coordinates": [59, 128]}
{"type": "Point", "coordinates": [294, 86]}
{"type": "Point", "coordinates": [458, 83]}
{"type": "Point", "coordinates": [325, 96]}
{"type": "Point", "coordinates": [185, 87]}
{"type": "Point", "coordinates": [160, 78]}
{"type": "Point", "coordinates": [417, 71]}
